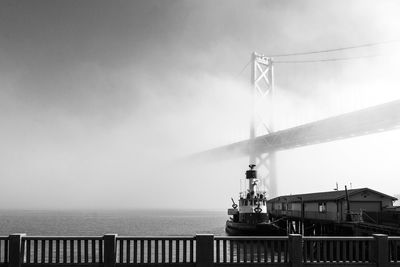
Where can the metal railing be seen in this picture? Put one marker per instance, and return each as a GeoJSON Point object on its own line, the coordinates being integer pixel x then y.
{"type": "Point", "coordinates": [19, 250]}
{"type": "Point", "coordinates": [337, 249]}
{"type": "Point", "coordinates": [150, 250]}
{"type": "Point", "coordinates": [3, 250]}
{"type": "Point", "coordinates": [62, 250]}
{"type": "Point", "coordinates": [251, 249]}
{"type": "Point", "coordinates": [394, 249]}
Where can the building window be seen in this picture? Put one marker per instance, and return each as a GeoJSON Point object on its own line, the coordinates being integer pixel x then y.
{"type": "Point", "coordinates": [284, 206]}
{"type": "Point", "coordinates": [322, 207]}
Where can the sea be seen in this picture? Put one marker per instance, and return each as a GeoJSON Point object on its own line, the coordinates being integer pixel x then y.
{"type": "Point", "coordinates": [121, 222]}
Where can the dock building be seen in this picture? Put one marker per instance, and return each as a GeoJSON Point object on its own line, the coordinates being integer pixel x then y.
{"type": "Point", "coordinates": [354, 211]}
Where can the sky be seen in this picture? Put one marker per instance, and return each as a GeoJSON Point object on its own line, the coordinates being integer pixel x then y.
{"type": "Point", "coordinates": [102, 101]}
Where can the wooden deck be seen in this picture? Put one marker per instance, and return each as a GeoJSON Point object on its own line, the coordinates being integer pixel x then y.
{"type": "Point", "coordinates": [19, 250]}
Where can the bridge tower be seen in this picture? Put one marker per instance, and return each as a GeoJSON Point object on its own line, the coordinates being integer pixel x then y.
{"type": "Point", "coordinates": [262, 86]}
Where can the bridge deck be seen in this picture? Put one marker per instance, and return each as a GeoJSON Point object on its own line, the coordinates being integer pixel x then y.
{"type": "Point", "coordinates": [375, 119]}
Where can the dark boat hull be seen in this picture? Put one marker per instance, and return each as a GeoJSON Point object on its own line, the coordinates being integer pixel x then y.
{"type": "Point", "coordinates": [245, 229]}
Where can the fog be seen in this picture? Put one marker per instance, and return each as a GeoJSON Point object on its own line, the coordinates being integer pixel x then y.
{"type": "Point", "coordinates": [101, 101]}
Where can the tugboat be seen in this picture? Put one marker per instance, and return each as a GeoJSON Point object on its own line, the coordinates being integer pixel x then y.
{"type": "Point", "coordinates": [251, 217]}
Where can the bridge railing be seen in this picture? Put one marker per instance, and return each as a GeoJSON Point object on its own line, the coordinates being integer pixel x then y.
{"type": "Point", "coordinates": [19, 250]}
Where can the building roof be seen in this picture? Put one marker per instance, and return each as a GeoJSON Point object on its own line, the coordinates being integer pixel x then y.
{"type": "Point", "coordinates": [330, 195]}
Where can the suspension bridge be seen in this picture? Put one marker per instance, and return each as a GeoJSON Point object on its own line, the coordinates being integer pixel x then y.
{"type": "Point", "coordinates": [263, 142]}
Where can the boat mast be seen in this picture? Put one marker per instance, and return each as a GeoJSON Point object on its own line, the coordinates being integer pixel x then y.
{"type": "Point", "coordinates": [251, 175]}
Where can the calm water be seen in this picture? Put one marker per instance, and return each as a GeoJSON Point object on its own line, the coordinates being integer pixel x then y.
{"type": "Point", "coordinates": [126, 222]}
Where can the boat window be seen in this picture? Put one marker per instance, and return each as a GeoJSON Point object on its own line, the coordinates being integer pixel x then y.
{"type": "Point", "coordinates": [289, 206]}
{"type": "Point", "coordinates": [245, 202]}
{"type": "Point", "coordinates": [284, 206]}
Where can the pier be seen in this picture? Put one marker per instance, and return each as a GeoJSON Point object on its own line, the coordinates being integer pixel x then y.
{"type": "Point", "coordinates": [355, 212]}
{"type": "Point", "coordinates": [111, 250]}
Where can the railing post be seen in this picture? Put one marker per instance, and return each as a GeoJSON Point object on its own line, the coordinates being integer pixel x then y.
{"type": "Point", "coordinates": [381, 250]}
{"type": "Point", "coordinates": [295, 250]}
{"type": "Point", "coordinates": [110, 249]}
{"type": "Point", "coordinates": [16, 250]}
{"type": "Point", "coordinates": [204, 250]}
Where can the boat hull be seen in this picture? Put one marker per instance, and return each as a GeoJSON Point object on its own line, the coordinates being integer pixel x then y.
{"type": "Point", "coordinates": [245, 229]}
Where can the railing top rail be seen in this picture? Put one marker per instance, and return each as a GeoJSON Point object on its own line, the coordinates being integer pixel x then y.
{"type": "Point", "coordinates": [338, 238]}
{"type": "Point", "coordinates": [328, 238]}
{"type": "Point", "coordinates": [251, 238]}
{"type": "Point", "coordinates": [62, 238]}
{"type": "Point", "coordinates": [155, 237]}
